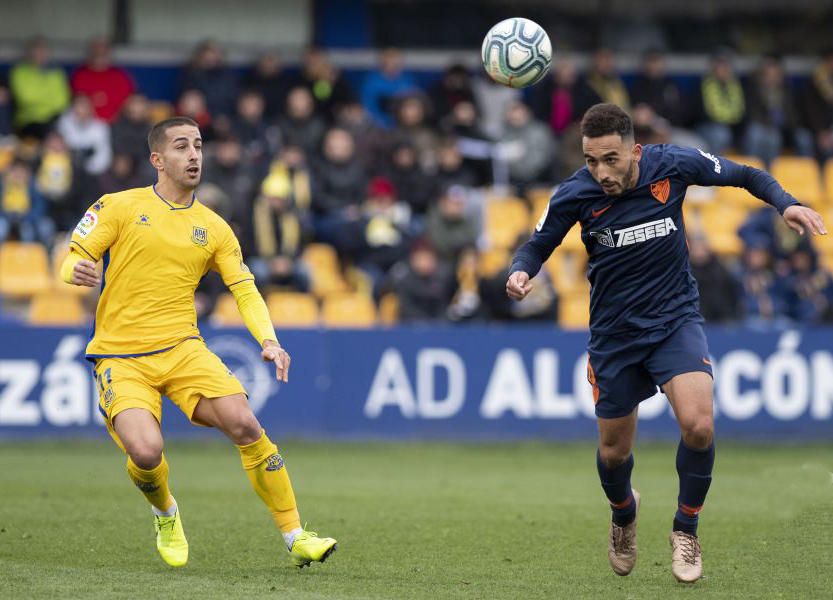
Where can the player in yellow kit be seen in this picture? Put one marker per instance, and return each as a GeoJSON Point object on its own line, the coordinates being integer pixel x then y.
{"type": "Point", "coordinates": [156, 243]}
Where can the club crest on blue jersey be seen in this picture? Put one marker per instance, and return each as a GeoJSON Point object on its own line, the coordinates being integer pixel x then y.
{"type": "Point", "coordinates": [199, 236]}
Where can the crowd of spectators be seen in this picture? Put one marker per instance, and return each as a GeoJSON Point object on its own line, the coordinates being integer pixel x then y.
{"type": "Point", "coordinates": [392, 175]}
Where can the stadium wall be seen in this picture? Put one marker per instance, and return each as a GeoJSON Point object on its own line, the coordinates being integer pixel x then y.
{"type": "Point", "coordinates": [471, 383]}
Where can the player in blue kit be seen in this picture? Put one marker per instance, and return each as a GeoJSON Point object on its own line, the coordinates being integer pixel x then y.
{"type": "Point", "coordinates": [645, 326]}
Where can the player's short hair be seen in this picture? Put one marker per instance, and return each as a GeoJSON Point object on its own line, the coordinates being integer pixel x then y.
{"type": "Point", "coordinates": [606, 119]}
{"type": "Point", "coordinates": [156, 137]}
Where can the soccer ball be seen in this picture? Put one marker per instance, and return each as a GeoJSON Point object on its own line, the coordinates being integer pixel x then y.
{"type": "Point", "coordinates": [516, 52]}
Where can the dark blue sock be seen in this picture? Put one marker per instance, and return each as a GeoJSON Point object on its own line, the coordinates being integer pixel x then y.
{"type": "Point", "coordinates": [695, 470]}
{"type": "Point", "coordinates": [616, 483]}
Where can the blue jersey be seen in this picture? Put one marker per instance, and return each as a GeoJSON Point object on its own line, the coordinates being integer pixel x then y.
{"type": "Point", "coordinates": [638, 268]}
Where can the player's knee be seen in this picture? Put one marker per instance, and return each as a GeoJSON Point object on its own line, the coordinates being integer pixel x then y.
{"type": "Point", "coordinates": [613, 455]}
{"type": "Point", "coordinates": [146, 455]}
{"type": "Point", "coordinates": [699, 433]}
{"type": "Point", "coordinates": [244, 428]}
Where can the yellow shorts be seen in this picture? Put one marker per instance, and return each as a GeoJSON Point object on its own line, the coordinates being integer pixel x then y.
{"type": "Point", "coordinates": [186, 373]}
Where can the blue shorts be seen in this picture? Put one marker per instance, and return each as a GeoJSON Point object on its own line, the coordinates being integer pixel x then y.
{"type": "Point", "coordinates": [626, 369]}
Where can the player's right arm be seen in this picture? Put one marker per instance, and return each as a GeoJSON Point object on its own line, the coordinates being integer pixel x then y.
{"type": "Point", "coordinates": [95, 233]}
{"type": "Point", "coordinates": [556, 221]}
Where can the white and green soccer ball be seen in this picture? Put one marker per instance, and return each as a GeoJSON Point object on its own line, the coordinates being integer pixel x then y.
{"type": "Point", "coordinates": [517, 52]}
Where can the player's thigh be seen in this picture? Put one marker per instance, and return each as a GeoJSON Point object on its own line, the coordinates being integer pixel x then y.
{"type": "Point", "coordinates": [193, 372]}
{"type": "Point", "coordinates": [691, 397]}
{"type": "Point", "coordinates": [140, 435]}
{"type": "Point", "coordinates": [230, 414]}
{"type": "Point", "coordinates": [127, 384]}
{"type": "Point", "coordinates": [616, 437]}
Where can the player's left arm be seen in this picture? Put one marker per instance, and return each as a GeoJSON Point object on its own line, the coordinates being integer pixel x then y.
{"type": "Point", "coordinates": [702, 168]}
{"type": "Point", "coordinates": [228, 262]}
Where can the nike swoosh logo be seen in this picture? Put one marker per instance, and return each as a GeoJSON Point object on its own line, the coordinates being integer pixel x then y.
{"type": "Point", "coordinates": [707, 362]}
{"type": "Point", "coordinates": [597, 213]}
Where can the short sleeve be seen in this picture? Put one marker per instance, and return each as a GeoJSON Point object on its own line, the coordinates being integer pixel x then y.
{"type": "Point", "coordinates": [228, 260]}
{"type": "Point", "coordinates": [97, 230]}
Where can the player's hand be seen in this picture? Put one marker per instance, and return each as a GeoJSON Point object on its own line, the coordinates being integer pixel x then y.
{"type": "Point", "coordinates": [84, 273]}
{"type": "Point", "coordinates": [272, 352]}
{"type": "Point", "coordinates": [803, 219]}
{"type": "Point", "coordinates": [518, 285]}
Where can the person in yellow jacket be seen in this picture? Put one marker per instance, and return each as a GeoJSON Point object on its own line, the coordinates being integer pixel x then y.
{"type": "Point", "coordinates": [156, 243]}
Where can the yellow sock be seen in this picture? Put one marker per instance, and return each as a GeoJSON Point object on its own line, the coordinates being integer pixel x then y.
{"type": "Point", "coordinates": [265, 469]}
{"type": "Point", "coordinates": [153, 483]}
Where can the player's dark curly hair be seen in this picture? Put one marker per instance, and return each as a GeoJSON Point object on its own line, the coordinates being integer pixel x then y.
{"type": "Point", "coordinates": [606, 119]}
{"type": "Point", "coordinates": [156, 137]}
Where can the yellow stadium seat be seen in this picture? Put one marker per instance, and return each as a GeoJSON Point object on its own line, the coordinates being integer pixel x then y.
{"type": "Point", "coordinates": [718, 218]}
{"type": "Point", "coordinates": [323, 263]}
{"type": "Point", "coordinates": [568, 271]}
{"type": "Point", "coordinates": [159, 111]}
{"type": "Point", "coordinates": [574, 311]}
{"type": "Point", "coordinates": [24, 269]}
{"type": "Point", "coordinates": [59, 253]}
{"type": "Point", "coordinates": [349, 310]}
{"type": "Point", "coordinates": [54, 308]}
{"type": "Point", "coordinates": [743, 159]}
{"type": "Point", "coordinates": [505, 220]}
{"type": "Point", "coordinates": [292, 309]}
{"type": "Point", "coordinates": [389, 309]}
{"type": "Point", "coordinates": [320, 256]}
{"type": "Point", "coordinates": [572, 241]}
{"type": "Point", "coordinates": [801, 177]}
{"type": "Point", "coordinates": [828, 181]}
{"type": "Point", "coordinates": [493, 261]}
{"type": "Point", "coordinates": [225, 312]}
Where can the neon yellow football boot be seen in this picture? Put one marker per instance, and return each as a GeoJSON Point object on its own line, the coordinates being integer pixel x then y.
{"type": "Point", "coordinates": [308, 547]}
{"type": "Point", "coordinates": [170, 539]}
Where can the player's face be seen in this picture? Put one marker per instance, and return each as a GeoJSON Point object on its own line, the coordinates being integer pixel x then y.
{"type": "Point", "coordinates": [181, 157]}
{"type": "Point", "coordinates": [613, 162]}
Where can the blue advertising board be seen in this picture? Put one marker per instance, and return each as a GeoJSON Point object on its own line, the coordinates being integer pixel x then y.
{"type": "Point", "coordinates": [443, 382]}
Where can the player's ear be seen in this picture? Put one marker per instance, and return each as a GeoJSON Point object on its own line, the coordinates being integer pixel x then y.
{"type": "Point", "coordinates": [156, 161]}
{"type": "Point", "coordinates": [637, 151]}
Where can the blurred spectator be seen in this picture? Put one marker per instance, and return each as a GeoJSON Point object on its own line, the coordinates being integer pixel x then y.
{"type": "Point", "coordinates": [649, 127]}
{"type": "Point", "coordinates": [499, 307]}
{"type": "Point", "coordinates": [301, 126]}
{"type": "Point", "coordinates": [764, 294]}
{"type": "Point", "coordinates": [270, 80]}
{"type": "Point", "coordinates": [86, 135]}
{"type": "Point", "coordinates": [817, 104]}
{"type": "Point", "coordinates": [40, 93]}
{"type": "Point", "coordinates": [291, 166]}
{"type": "Point", "coordinates": [122, 175]}
{"type": "Point", "coordinates": [473, 143]}
{"type": "Point", "coordinates": [554, 99]}
{"type": "Point", "coordinates": [412, 127]}
{"type": "Point", "coordinates": [22, 208]}
{"type": "Point", "coordinates": [450, 227]}
{"type": "Point", "coordinates": [601, 84]}
{"type": "Point", "coordinates": [423, 285]}
{"type": "Point", "coordinates": [192, 104]}
{"type": "Point", "coordinates": [106, 85]}
{"type": "Point", "coordinates": [383, 85]}
{"type": "Point", "coordinates": [723, 105]}
{"type": "Point", "coordinates": [527, 146]}
{"type": "Point", "coordinates": [766, 228]}
{"type": "Point", "coordinates": [454, 87]}
{"type": "Point", "coordinates": [451, 170]}
{"type": "Point", "coordinates": [654, 88]}
{"type": "Point", "coordinates": [416, 187]}
{"type": "Point", "coordinates": [129, 133]}
{"type": "Point", "coordinates": [259, 141]}
{"type": "Point", "coordinates": [279, 236]}
{"type": "Point", "coordinates": [493, 99]}
{"type": "Point", "coordinates": [810, 296]}
{"type": "Point", "coordinates": [5, 109]}
{"type": "Point", "coordinates": [339, 185]}
{"type": "Point", "coordinates": [56, 181]}
{"type": "Point", "coordinates": [369, 138]}
{"type": "Point", "coordinates": [772, 115]}
{"type": "Point", "coordinates": [719, 290]}
{"type": "Point", "coordinates": [208, 73]}
{"type": "Point", "coordinates": [328, 87]}
{"type": "Point", "coordinates": [225, 168]}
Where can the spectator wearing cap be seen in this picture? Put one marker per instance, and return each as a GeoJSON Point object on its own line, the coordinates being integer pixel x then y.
{"type": "Point", "coordinates": [423, 285]}
{"type": "Point", "coordinates": [107, 85]}
{"type": "Point", "coordinates": [450, 226]}
{"type": "Point", "coordinates": [40, 92]}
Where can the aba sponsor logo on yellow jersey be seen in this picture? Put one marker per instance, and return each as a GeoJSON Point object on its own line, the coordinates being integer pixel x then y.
{"type": "Point", "coordinates": [199, 236]}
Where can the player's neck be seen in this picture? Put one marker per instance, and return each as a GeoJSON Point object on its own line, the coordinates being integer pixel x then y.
{"type": "Point", "coordinates": [634, 178]}
{"type": "Point", "coordinates": [174, 194]}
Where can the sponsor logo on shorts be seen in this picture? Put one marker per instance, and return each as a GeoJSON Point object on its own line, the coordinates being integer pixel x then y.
{"type": "Point", "coordinates": [274, 462]}
{"type": "Point", "coordinates": [636, 234]}
{"type": "Point", "coordinates": [199, 236]}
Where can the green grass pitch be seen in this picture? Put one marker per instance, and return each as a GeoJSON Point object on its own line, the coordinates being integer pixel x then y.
{"type": "Point", "coordinates": [413, 521]}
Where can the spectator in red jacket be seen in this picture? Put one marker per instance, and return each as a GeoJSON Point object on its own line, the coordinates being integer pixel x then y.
{"type": "Point", "coordinates": [106, 85]}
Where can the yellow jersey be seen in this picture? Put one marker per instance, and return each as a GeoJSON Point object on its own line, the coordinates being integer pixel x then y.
{"type": "Point", "coordinates": [154, 254]}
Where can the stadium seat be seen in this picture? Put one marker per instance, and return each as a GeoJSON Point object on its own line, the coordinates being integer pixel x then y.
{"type": "Point", "coordinates": [574, 310]}
{"type": "Point", "coordinates": [505, 220]}
{"type": "Point", "coordinates": [349, 310]}
{"type": "Point", "coordinates": [743, 159]}
{"type": "Point", "coordinates": [226, 313]}
{"type": "Point", "coordinates": [323, 263]}
{"type": "Point", "coordinates": [24, 269]}
{"type": "Point", "coordinates": [828, 182]}
{"type": "Point", "coordinates": [801, 177]}
{"type": "Point", "coordinates": [493, 261]}
{"type": "Point", "coordinates": [55, 308]}
{"type": "Point", "coordinates": [159, 111]}
{"type": "Point", "coordinates": [572, 241]}
{"type": "Point", "coordinates": [568, 271]}
{"type": "Point", "coordinates": [389, 309]}
{"type": "Point", "coordinates": [292, 309]}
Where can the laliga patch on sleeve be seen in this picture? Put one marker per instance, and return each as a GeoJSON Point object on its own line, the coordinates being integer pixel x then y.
{"type": "Point", "coordinates": [87, 224]}
{"type": "Point", "coordinates": [543, 220]}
